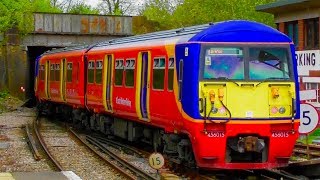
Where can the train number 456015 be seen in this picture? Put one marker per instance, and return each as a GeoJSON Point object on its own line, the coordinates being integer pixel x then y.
{"type": "Point", "coordinates": [216, 134]}
{"type": "Point", "coordinates": [280, 134]}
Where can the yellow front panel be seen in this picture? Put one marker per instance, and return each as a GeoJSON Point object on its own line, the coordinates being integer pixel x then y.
{"type": "Point", "coordinates": [206, 91]}
{"type": "Point", "coordinates": [283, 100]}
{"type": "Point", "coordinates": [246, 100]}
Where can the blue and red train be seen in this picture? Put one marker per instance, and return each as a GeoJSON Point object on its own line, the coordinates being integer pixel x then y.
{"type": "Point", "coordinates": [218, 96]}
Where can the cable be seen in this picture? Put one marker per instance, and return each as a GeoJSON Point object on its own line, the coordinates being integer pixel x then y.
{"type": "Point", "coordinates": [228, 112]}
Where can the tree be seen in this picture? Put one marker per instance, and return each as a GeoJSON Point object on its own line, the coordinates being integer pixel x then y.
{"type": "Point", "coordinates": [160, 11]}
{"type": "Point", "coordinates": [82, 8]}
{"type": "Point", "coordinates": [183, 13]}
{"type": "Point", "coordinates": [116, 7]}
{"type": "Point", "coordinates": [18, 13]}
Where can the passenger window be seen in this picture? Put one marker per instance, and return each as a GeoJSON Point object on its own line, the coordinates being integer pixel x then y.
{"type": "Point", "coordinates": [51, 72]}
{"type": "Point", "coordinates": [99, 67]}
{"type": "Point", "coordinates": [130, 65]}
{"type": "Point", "coordinates": [158, 73]}
{"type": "Point", "coordinates": [170, 73]}
{"type": "Point", "coordinates": [69, 72]}
{"type": "Point", "coordinates": [41, 73]}
{"type": "Point", "coordinates": [57, 72]}
{"type": "Point", "coordinates": [78, 72]}
{"type": "Point", "coordinates": [119, 72]}
{"type": "Point", "coordinates": [91, 72]}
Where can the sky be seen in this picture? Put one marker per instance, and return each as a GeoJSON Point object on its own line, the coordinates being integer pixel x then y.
{"type": "Point", "coordinates": [94, 3]}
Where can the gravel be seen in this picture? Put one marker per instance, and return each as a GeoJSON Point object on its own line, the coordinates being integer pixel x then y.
{"type": "Point", "coordinates": [16, 156]}
{"type": "Point", "coordinates": [73, 156]}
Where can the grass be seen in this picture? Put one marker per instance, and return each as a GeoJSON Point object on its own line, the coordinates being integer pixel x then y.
{"type": "Point", "coordinates": [4, 94]}
{"type": "Point", "coordinates": [311, 137]}
{"type": "Point", "coordinates": [7, 102]}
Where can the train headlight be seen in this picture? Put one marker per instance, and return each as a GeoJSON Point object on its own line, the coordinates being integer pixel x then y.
{"type": "Point", "coordinates": [282, 110]}
{"type": "Point", "coordinates": [214, 110]}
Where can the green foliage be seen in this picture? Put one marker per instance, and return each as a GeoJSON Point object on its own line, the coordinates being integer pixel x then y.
{"type": "Point", "coordinates": [4, 94]}
{"type": "Point", "coordinates": [18, 13]}
{"type": "Point", "coordinates": [160, 11]}
{"type": "Point", "coordinates": [82, 8]}
{"type": "Point", "coordinates": [303, 139]}
{"type": "Point", "coordinates": [193, 12]}
{"type": "Point", "coordinates": [116, 7]}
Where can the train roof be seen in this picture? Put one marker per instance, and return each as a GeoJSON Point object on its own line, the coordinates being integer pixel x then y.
{"type": "Point", "coordinates": [67, 49]}
{"type": "Point", "coordinates": [226, 31]}
{"type": "Point", "coordinates": [242, 31]}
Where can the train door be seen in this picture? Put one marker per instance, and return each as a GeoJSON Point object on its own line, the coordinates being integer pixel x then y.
{"type": "Point", "coordinates": [144, 85]}
{"type": "Point", "coordinates": [108, 85]}
{"type": "Point", "coordinates": [63, 79]}
{"type": "Point", "coordinates": [47, 79]}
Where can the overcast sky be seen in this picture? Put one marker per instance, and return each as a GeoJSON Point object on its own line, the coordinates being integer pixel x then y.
{"type": "Point", "coordinates": [94, 3]}
{"type": "Point", "coordinates": [134, 8]}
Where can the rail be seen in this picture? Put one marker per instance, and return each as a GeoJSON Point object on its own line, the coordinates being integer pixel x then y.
{"type": "Point", "coordinates": [36, 123]}
{"type": "Point", "coordinates": [108, 161]}
{"type": "Point", "coordinates": [31, 144]}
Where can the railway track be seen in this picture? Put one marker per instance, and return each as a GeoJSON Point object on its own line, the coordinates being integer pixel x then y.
{"type": "Point", "coordinates": [116, 160]}
{"type": "Point", "coordinates": [224, 174]}
{"type": "Point", "coordinates": [302, 149]}
{"type": "Point", "coordinates": [44, 146]}
{"type": "Point", "coordinates": [67, 154]}
{"type": "Point", "coordinates": [111, 152]}
{"type": "Point", "coordinates": [275, 174]}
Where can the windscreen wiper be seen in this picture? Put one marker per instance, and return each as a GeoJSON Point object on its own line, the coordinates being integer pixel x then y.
{"type": "Point", "coordinates": [272, 78]}
{"type": "Point", "coordinates": [227, 79]}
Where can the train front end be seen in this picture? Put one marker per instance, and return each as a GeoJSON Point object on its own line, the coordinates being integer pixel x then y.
{"type": "Point", "coordinates": [243, 113]}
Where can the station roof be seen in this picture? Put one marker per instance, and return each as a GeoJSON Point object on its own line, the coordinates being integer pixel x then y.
{"type": "Point", "coordinates": [288, 6]}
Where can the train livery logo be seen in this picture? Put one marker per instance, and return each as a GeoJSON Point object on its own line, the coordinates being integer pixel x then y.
{"type": "Point", "coordinates": [124, 102]}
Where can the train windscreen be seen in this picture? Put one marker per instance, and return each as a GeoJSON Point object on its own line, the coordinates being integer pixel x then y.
{"type": "Point", "coordinates": [246, 63]}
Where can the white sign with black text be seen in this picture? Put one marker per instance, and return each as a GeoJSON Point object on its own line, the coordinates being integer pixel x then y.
{"type": "Point", "coordinates": [307, 60]}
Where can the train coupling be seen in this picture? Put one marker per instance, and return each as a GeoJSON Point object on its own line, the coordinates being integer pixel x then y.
{"type": "Point", "coordinates": [250, 144]}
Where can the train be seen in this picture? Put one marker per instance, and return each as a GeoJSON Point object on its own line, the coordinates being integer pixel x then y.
{"type": "Point", "coordinates": [215, 96]}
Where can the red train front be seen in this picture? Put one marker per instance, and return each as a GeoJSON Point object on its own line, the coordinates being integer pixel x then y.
{"type": "Point", "coordinates": [218, 96]}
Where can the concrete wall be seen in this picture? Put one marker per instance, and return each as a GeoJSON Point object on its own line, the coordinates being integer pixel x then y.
{"type": "Point", "coordinates": [52, 30]}
{"type": "Point", "coordinates": [82, 24]}
{"type": "Point", "coordinates": [3, 68]}
{"type": "Point", "coordinates": [13, 69]}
